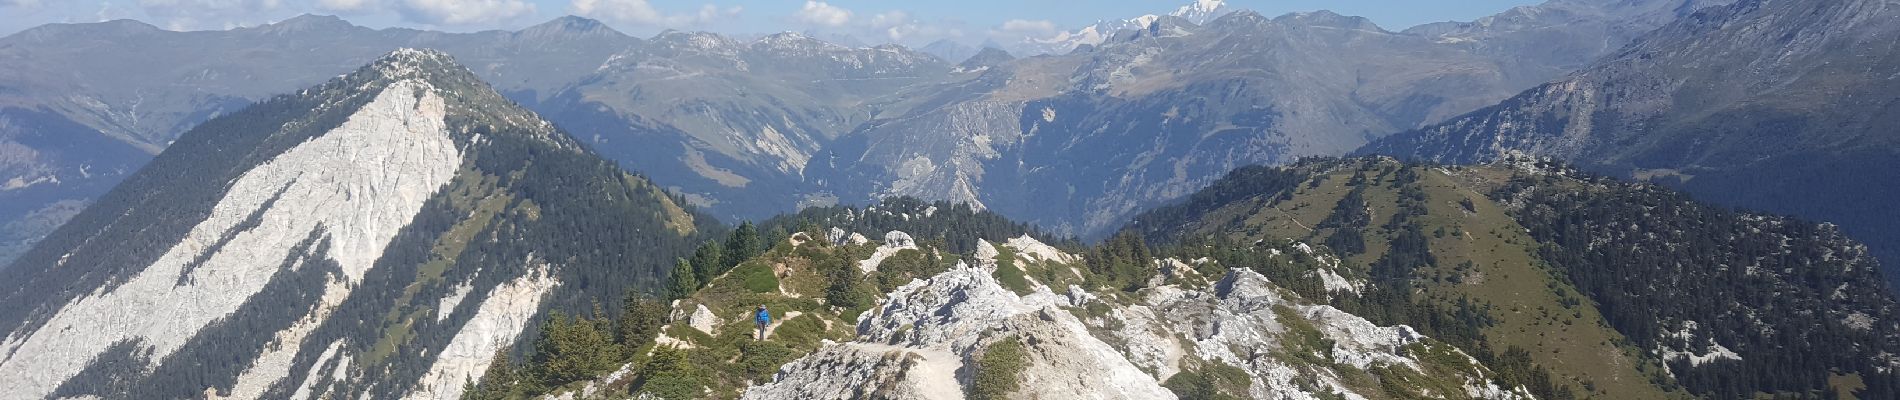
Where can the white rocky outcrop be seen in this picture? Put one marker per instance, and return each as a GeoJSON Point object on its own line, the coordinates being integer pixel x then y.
{"type": "Point", "coordinates": [894, 241]}
{"type": "Point", "coordinates": [704, 320]}
{"type": "Point", "coordinates": [312, 379]}
{"type": "Point", "coordinates": [1030, 248]}
{"type": "Point", "coordinates": [1715, 352]}
{"type": "Point", "coordinates": [835, 236]}
{"type": "Point", "coordinates": [503, 314]}
{"type": "Point", "coordinates": [915, 343]}
{"type": "Point", "coordinates": [359, 184]}
{"type": "Point", "coordinates": [1336, 283]}
{"type": "Point", "coordinates": [899, 239]}
{"type": "Point", "coordinates": [275, 363]}
{"type": "Point", "coordinates": [919, 341]}
{"type": "Point", "coordinates": [866, 370]}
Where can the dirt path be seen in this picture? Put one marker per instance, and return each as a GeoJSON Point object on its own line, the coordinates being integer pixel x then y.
{"type": "Point", "coordinates": [769, 329]}
{"type": "Point", "coordinates": [935, 375]}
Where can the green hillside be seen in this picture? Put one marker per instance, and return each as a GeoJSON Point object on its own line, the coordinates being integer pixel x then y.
{"type": "Point", "coordinates": [1522, 259]}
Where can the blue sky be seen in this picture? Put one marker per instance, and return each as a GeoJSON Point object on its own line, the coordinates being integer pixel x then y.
{"type": "Point", "coordinates": [902, 21]}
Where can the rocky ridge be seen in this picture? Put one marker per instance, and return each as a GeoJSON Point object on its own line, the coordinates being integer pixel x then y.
{"type": "Point", "coordinates": [927, 338]}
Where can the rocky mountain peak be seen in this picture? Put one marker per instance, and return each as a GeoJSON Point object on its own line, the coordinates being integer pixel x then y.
{"type": "Point", "coordinates": [314, 198]}
{"type": "Point", "coordinates": [794, 41]}
{"type": "Point", "coordinates": [696, 41]}
{"type": "Point", "coordinates": [1239, 18]}
{"type": "Point", "coordinates": [307, 23]}
{"type": "Point", "coordinates": [413, 63]}
{"type": "Point", "coordinates": [467, 95]}
{"type": "Point", "coordinates": [1328, 19]}
{"type": "Point", "coordinates": [1201, 11]}
{"type": "Point", "coordinates": [571, 27]}
{"type": "Point", "coordinates": [988, 57]}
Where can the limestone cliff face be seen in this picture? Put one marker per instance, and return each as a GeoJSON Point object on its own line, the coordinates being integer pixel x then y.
{"type": "Point", "coordinates": [355, 186]}
{"type": "Point", "coordinates": [270, 252]}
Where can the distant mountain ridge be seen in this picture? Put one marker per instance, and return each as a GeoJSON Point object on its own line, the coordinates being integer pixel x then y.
{"type": "Point", "coordinates": [1080, 141]}
{"type": "Point", "coordinates": [1198, 12]}
{"type": "Point", "coordinates": [1781, 106]}
{"type": "Point", "coordinates": [750, 128]}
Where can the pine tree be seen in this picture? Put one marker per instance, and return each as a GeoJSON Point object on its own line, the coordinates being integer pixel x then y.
{"type": "Point", "coordinates": [572, 350]}
{"type": "Point", "coordinates": [707, 261]}
{"type": "Point", "coordinates": [743, 244]}
{"type": "Point", "coordinates": [498, 383]}
{"type": "Point", "coordinates": [640, 318]}
{"type": "Point", "coordinates": [669, 375]}
{"type": "Point", "coordinates": [1124, 261]}
{"type": "Point", "coordinates": [685, 280]}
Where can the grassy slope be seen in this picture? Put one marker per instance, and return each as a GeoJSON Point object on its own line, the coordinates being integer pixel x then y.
{"type": "Point", "coordinates": [800, 289]}
{"type": "Point", "coordinates": [1574, 343]}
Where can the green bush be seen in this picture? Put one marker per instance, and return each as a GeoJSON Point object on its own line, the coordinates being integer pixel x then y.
{"type": "Point", "coordinates": [756, 277]}
{"type": "Point", "coordinates": [1212, 382]}
{"type": "Point", "coordinates": [805, 330]}
{"type": "Point", "coordinates": [904, 266]}
{"type": "Point", "coordinates": [760, 359]}
{"type": "Point", "coordinates": [999, 372]}
{"type": "Point", "coordinates": [670, 376]}
{"type": "Point", "coordinates": [1012, 278]}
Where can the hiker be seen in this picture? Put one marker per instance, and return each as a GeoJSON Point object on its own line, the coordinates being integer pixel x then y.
{"type": "Point", "coordinates": [764, 319]}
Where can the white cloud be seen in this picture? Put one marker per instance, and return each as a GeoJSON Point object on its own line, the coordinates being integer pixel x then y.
{"type": "Point", "coordinates": [1025, 29]}
{"type": "Point", "coordinates": [206, 14]}
{"type": "Point", "coordinates": [822, 14]}
{"type": "Point", "coordinates": [346, 5]}
{"type": "Point", "coordinates": [642, 12]}
{"type": "Point", "coordinates": [108, 12]}
{"type": "Point", "coordinates": [1028, 27]}
{"type": "Point", "coordinates": [890, 19]}
{"type": "Point", "coordinates": [709, 13]}
{"type": "Point", "coordinates": [900, 27]}
{"type": "Point", "coordinates": [463, 12]}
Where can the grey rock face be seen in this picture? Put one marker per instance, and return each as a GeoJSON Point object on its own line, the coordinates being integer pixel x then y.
{"type": "Point", "coordinates": [228, 266]}
{"type": "Point", "coordinates": [923, 340]}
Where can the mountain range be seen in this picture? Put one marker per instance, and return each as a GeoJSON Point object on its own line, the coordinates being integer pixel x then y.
{"type": "Point", "coordinates": [1150, 216]}
{"type": "Point", "coordinates": [1780, 106]}
{"type": "Point", "coordinates": [747, 129]}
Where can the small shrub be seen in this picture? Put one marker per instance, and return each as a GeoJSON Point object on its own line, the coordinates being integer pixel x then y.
{"type": "Point", "coordinates": [1012, 278]}
{"type": "Point", "coordinates": [1215, 381]}
{"type": "Point", "coordinates": [805, 330]}
{"type": "Point", "coordinates": [999, 372]}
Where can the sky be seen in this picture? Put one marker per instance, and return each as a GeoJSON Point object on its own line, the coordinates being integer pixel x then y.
{"type": "Point", "coordinates": [911, 22]}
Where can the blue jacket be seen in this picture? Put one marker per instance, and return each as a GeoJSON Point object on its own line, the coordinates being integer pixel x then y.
{"type": "Point", "coordinates": [763, 317]}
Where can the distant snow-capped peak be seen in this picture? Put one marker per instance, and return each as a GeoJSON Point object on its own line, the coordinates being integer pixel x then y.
{"type": "Point", "coordinates": [1201, 11]}
{"type": "Point", "coordinates": [1198, 12]}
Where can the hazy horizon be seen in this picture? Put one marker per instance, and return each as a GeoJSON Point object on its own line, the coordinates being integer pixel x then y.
{"type": "Point", "coordinates": [911, 23]}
